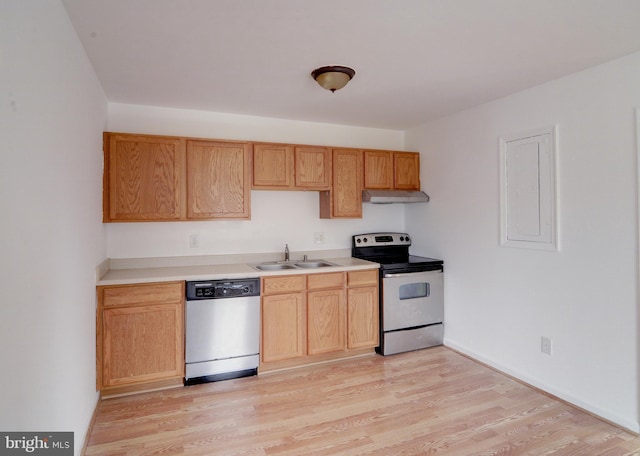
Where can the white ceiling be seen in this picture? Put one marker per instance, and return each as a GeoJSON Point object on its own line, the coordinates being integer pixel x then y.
{"type": "Point", "coordinates": [415, 60]}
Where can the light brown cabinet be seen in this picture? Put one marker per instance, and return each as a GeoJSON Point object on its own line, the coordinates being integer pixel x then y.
{"type": "Point", "coordinates": [273, 167]}
{"type": "Point", "coordinates": [378, 169]}
{"type": "Point", "coordinates": [283, 318]}
{"type": "Point", "coordinates": [291, 167]}
{"type": "Point", "coordinates": [344, 200]}
{"type": "Point", "coordinates": [161, 178]}
{"type": "Point", "coordinates": [218, 180]}
{"type": "Point", "coordinates": [362, 309]}
{"type": "Point", "coordinates": [312, 167]}
{"type": "Point", "coordinates": [406, 170]}
{"type": "Point", "coordinates": [325, 313]}
{"type": "Point", "coordinates": [321, 316]}
{"type": "Point", "coordinates": [142, 178]}
{"type": "Point", "coordinates": [388, 170]}
{"type": "Point", "coordinates": [139, 336]}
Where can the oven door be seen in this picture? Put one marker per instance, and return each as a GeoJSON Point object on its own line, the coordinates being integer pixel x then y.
{"type": "Point", "coordinates": [412, 299]}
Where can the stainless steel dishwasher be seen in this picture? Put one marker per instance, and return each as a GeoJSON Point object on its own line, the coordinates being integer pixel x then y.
{"type": "Point", "coordinates": [222, 328]}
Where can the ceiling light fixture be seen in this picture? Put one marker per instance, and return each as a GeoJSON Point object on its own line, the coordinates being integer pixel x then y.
{"type": "Point", "coordinates": [333, 77]}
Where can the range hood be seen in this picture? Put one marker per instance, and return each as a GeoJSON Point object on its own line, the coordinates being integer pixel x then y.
{"type": "Point", "coordinates": [393, 196]}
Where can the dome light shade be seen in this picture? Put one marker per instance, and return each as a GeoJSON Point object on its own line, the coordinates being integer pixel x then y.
{"type": "Point", "coordinates": [333, 77]}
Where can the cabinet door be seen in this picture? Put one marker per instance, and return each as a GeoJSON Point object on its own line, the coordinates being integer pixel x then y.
{"type": "Point", "coordinates": [406, 170]}
{"type": "Point", "coordinates": [218, 180]}
{"type": "Point", "coordinates": [362, 317]}
{"type": "Point", "coordinates": [378, 169]}
{"type": "Point", "coordinates": [142, 344]}
{"type": "Point", "coordinates": [325, 321]}
{"type": "Point", "coordinates": [282, 327]}
{"type": "Point", "coordinates": [345, 197]}
{"type": "Point", "coordinates": [312, 167]}
{"type": "Point", "coordinates": [272, 166]}
{"type": "Point", "coordinates": [143, 177]}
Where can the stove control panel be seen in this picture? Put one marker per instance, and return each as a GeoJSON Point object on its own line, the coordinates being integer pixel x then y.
{"type": "Point", "coordinates": [374, 239]}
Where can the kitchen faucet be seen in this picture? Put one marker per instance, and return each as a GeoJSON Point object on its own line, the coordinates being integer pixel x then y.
{"type": "Point", "coordinates": [286, 252]}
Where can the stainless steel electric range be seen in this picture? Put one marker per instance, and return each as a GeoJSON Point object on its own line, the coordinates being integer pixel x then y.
{"type": "Point", "coordinates": [411, 292]}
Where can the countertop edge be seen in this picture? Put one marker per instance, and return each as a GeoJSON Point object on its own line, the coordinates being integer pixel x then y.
{"type": "Point", "coordinates": [220, 271]}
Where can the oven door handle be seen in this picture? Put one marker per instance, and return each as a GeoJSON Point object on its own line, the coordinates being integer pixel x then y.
{"type": "Point", "coordinates": [399, 274]}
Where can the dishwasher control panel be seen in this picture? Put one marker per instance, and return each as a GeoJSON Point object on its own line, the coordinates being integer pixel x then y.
{"type": "Point", "coordinates": [219, 289]}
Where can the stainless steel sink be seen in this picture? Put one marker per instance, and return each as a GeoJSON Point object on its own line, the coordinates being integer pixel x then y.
{"type": "Point", "coordinates": [314, 264]}
{"type": "Point", "coordinates": [284, 265]}
{"type": "Point", "coordinates": [274, 266]}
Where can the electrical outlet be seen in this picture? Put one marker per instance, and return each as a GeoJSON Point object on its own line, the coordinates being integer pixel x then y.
{"type": "Point", "coordinates": [318, 238]}
{"type": "Point", "coordinates": [194, 241]}
{"type": "Point", "coordinates": [545, 345]}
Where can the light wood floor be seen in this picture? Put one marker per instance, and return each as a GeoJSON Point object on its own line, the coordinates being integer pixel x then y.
{"type": "Point", "coordinates": [432, 401]}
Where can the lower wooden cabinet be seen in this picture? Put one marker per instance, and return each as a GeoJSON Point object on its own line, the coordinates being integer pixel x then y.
{"type": "Point", "coordinates": [362, 309]}
{"type": "Point", "coordinates": [140, 336]}
{"type": "Point", "coordinates": [318, 316]}
{"type": "Point", "coordinates": [283, 318]}
{"type": "Point", "coordinates": [325, 313]}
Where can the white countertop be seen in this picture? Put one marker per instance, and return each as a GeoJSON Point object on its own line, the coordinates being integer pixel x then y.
{"type": "Point", "coordinates": [218, 271]}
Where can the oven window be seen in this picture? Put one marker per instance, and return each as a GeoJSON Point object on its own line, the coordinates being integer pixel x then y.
{"type": "Point", "coordinates": [414, 290]}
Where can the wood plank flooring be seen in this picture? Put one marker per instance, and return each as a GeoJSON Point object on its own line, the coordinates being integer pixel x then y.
{"type": "Point", "coordinates": [427, 402]}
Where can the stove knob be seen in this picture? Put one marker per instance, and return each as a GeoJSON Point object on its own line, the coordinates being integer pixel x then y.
{"type": "Point", "coordinates": [402, 238]}
{"type": "Point", "coordinates": [365, 240]}
{"type": "Point", "coordinates": [358, 240]}
{"type": "Point", "coordinates": [407, 239]}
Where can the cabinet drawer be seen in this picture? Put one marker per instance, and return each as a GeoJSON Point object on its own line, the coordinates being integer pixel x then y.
{"type": "Point", "coordinates": [140, 294]}
{"type": "Point", "coordinates": [283, 284]}
{"type": "Point", "coordinates": [328, 280]}
{"type": "Point", "coordinates": [362, 278]}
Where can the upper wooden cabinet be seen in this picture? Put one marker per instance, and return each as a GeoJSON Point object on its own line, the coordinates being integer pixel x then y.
{"type": "Point", "coordinates": [312, 167]}
{"type": "Point", "coordinates": [142, 178]}
{"type": "Point", "coordinates": [218, 180]}
{"type": "Point", "coordinates": [387, 170]}
{"type": "Point", "coordinates": [291, 167]}
{"type": "Point", "coordinates": [378, 169]}
{"type": "Point", "coordinates": [161, 178]}
{"type": "Point", "coordinates": [344, 200]}
{"type": "Point", "coordinates": [273, 167]}
{"type": "Point", "coordinates": [406, 171]}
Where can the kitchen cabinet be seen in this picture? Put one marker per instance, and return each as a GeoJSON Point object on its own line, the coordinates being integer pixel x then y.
{"type": "Point", "coordinates": [312, 167]}
{"type": "Point", "coordinates": [388, 170]}
{"type": "Point", "coordinates": [318, 317]}
{"type": "Point", "coordinates": [362, 309]}
{"type": "Point", "coordinates": [139, 336]}
{"type": "Point", "coordinates": [283, 317]}
{"type": "Point", "coordinates": [291, 167]}
{"type": "Point", "coordinates": [325, 313]}
{"type": "Point", "coordinates": [344, 200]}
{"type": "Point", "coordinates": [143, 177]}
{"type": "Point", "coordinates": [161, 178]}
{"type": "Point", "coordinates": [406, 171]}
{"type": "Point", "coordinates": [378, 169]}
{"type": "Point", "coordinates": [273, 167]}
{"type": "Point", "coordinates": [218, 180]}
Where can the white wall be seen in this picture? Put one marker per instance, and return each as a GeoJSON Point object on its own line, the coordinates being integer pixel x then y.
{"type": "Point", "coordinates": [276, 217]}
{"type": "Point", "coordinates": [500, 301]}
{"type": "Point", "coordinates": [52, 114]}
